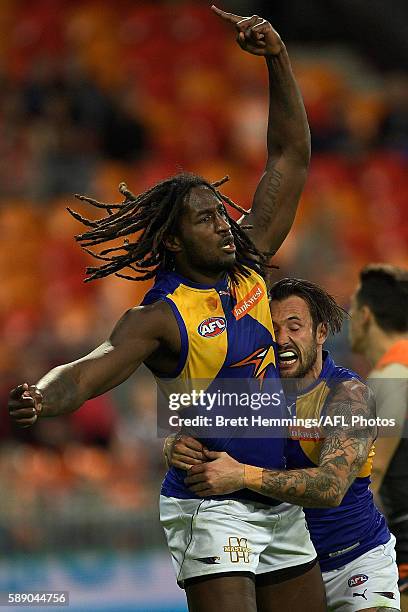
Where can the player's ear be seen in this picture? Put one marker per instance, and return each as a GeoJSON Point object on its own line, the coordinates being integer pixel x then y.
{"type": "Point", "coordinates": [322, 331]}
{"type": "Point", "coordinates": [173, 244]}
{"type": "Point", "coordinates": [366, 318]}
{"type": "Point", "coordinates": [365, 314]}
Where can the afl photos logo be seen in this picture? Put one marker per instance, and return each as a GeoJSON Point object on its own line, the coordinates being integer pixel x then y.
{"type": "Point", "coordinates": [214, 326]}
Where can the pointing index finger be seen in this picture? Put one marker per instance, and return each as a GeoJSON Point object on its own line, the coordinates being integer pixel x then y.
{"type": "Point", "coordinates": [227, 16]}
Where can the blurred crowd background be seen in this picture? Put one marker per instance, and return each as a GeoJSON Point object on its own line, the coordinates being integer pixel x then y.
{"type": "Point", "coordinates": [95, 92]}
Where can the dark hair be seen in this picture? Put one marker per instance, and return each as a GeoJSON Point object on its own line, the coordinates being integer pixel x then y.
{"type": "Point", "coordinates": [322, 306]}
{"type": "Point", "coordinates": [384, 289]}
{"type": "Point", "coordinates": [154, 215]}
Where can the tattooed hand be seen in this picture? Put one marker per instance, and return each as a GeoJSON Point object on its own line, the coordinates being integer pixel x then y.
{"type": "Point", "coordinates": [222, 474]}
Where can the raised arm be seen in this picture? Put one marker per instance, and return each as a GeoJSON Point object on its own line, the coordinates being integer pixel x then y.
{"type": "Point", "coordinates": [65, 388]}
{"type": "Point", "coordinates": [288, 137]}
{"type": "Point", "coordinates": [343, 454]}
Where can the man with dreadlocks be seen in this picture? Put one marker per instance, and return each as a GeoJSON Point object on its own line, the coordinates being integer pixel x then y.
{"type": "Point", "coordinates": [207, 317]}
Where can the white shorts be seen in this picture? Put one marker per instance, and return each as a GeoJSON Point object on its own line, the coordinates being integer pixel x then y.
{"type": "Point", "coordinates": [370, 581]}
{"type": "Point", "coordinates": [208, 536]}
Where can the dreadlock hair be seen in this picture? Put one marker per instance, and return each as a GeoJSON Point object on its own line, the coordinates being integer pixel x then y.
{"type": "Point", "coordinates": [322, 306]}
{"type": "Point", "coordinates": [384, 289]}
{"type": "Point", "coordinates": [154, 214]}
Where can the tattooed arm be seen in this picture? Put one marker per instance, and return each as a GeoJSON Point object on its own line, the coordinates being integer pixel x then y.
{"type": "Point", "coordinates": [343, 454]}
{"type": "Point", "coordinates": [288, 137]}
{"type": "Point", "coordinates": [288, 140]}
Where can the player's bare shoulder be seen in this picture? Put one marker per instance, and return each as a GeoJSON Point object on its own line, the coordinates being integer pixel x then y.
{"type": "Point", "coordinates": [156, 324]}
{"type": "Point", "coordinates": [154, 321]}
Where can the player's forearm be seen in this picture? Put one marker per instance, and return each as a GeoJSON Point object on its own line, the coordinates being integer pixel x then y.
{"type": "Point", "coordinates": [316, 487]}
{"type": "Point", "coordinates": [60, 391]}
{"type": "Point", "coordinates": [288, 128]}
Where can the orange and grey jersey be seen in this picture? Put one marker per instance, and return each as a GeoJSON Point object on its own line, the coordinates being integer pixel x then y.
{"type": "Point", "coordinates": [389, 379]}
{"type": "Point", "coordinates": [339, 534]}
{"type": "Point", "coordinates": [226, 333]}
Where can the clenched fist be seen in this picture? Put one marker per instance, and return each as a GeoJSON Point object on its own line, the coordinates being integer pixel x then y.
{"type": "Point", "coordinates": [25, 404]}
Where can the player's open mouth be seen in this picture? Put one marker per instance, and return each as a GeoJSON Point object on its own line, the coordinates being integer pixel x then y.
{"type": "Point", "coordinates": [287, 358]}
{"type": "Point", "coordinates": [228, 245]}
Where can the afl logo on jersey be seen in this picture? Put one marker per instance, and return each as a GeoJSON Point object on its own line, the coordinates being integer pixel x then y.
{"type": "Point", "coordinates": [214, 326]}
{"type": "Point", "coordinates": [357, 579]}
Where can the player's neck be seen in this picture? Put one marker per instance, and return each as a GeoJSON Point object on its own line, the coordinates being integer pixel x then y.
{"type": "Point", "coordinates": [311, 375]}
{"type": "Point", "coordinates": [198, 276]}
{"type": "Point", "coordinates": [378, 343]}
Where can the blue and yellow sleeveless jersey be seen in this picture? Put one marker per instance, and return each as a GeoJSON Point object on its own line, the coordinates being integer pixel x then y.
{"type": "Point", "coordinates": [343, 533]}
{"type": "Point", "coordinates": [226, 333]}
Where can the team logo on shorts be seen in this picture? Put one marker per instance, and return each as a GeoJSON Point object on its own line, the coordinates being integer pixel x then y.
{"type": "Point", "coordinates": [238, 550]}
{"type": "Point", "coordinates": [214, 326]}
{"type": "Point", "coordinates": [363, 595]}
{"type": "Point", "coordinates": [357, 579]}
